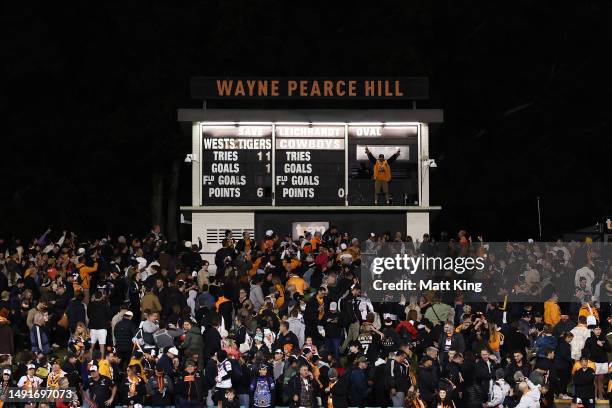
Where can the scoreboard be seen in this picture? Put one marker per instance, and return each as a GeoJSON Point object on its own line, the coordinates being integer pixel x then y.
{"type": "Point", "coordinates": [309, 165]}
{"type": "Point", "coordinates": [237, 165]}
{"type": "Point", "coordinates": [303, 164]}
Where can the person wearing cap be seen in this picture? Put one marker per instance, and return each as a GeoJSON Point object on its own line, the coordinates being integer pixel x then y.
{"type": "Point", "coordinates": [359, 383]}
{"type": "Point", "coordinates": [123, 333]}
{"type": "Point", "coordinates": [336, 394]}
{"type": "Point", "coordinates": [333, 329]}
{"type": "Point", "coordinates": [101, 390]}
{"type": "Point", "coordinates": [55, 374]}
{"type": "Point", "coordinates": [381, 173]}
{"type": "Point", "coordinates": [72, 368]}
{"type": "Point", "coordinates": [427, 380]}
{"type": "Point", "coordinates": [263, 388]}
{"type": "Point", "coordinates": [30, 381]}
{"type": "Point", "coordinates": [166, 359]}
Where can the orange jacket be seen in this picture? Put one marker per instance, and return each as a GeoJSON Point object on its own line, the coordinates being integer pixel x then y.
{"type": "Point", "coordinates": [552, 313]}
{"type": "Point", "coordinates": [84, 272]}
{"type": "Point", "coordinates": [299, 283]}
{"type": "Point", "coordinates": [382, 171]}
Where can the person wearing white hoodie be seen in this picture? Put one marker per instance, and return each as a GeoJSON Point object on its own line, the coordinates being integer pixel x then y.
{"type": "Point", "coordinates": [296, 324]}
{"type": "Point", "coordinates": [501, 389]}
{"type": "Point", "coordinates": [581, 334]}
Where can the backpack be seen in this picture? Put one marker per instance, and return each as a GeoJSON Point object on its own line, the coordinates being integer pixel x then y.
{"type": "Point", "coordinates": [162, 339]}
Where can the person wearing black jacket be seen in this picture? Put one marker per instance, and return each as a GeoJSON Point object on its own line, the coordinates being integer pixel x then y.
{"type": "Point", "coordinates": [246, 242]}
{"type": "Point", "coordinates": [73, 370]}
{"type": "Point", "coordinates": [212, 338]}
{"type": "Point", "coordinates": [397, 379]}
{"type": "Point", "coordinates": [303, 389]}
{"type": "Point", "coordinates": [584, 383]}
{"type": "Point", "coordinates": [161, 389]}
{"type": "Point", "coordinates": [119, 289]}
{"type": "Point", "coordinates": [315, 311]}
{"type": "Point", "coordinates": [99, 318]}
{"type": "Point", "coordinates": [350, 316]}
{"type": "Point", "coordinates": [286, 337]}
{"type": "Point", "coordinates": [563, 361]}
{"type": "Point", "coordinates": [426, 381]}
{"type": "Point", "coordinates": [518, 364]}
{"type": "Point", "coordinates": [485, 371]}
{"type": "Point", "coordinates": [596, 348]}
{"type": "Point", "coordinates": [192, 258]}
{"type": "Point", "coordinates": [76, 311]}
{"type": "Point", "coordinates": [333, 330]}
{"type": "Point", "coordinates": [337, 391]}
{"type": "Point", "coordinates": [189, 389]}
{"type": "Point", "coordinates": [224, 256]}
{"type": "Point", "coordinates": [123, 333]}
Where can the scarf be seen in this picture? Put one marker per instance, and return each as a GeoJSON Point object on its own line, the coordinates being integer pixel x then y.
{"type": "Point", "coordinates": [134, 380]}
{"type": "Point", "coordinates": [161, 384]}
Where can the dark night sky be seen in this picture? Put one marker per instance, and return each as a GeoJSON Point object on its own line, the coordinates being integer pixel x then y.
{"type": "Point", "coordinates": [90, 97]}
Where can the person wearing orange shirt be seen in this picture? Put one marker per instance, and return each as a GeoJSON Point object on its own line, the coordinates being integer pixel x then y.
{"type": "Point", "coordinates": [84, 273]}
{"type": "Point", "coordinates": [296, 281]}
{"type": "Point", "coordinates": [381, 173]}
{"type": "Point", "coordinates": [552, 311]}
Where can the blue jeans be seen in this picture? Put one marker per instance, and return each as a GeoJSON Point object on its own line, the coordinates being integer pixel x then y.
{"type": "Point", "coordinates": [244, 400]}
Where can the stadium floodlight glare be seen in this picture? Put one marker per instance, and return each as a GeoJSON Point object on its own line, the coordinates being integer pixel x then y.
{"type": "Point", "coordinates": [191, 158]}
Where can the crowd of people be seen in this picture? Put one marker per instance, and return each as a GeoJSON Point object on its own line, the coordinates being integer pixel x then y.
{"type": "Point", "coordinates": [133, 322]}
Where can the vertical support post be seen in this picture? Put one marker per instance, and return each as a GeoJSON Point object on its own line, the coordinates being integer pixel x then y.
{"type": "Point", "coordinates": [196, 165]}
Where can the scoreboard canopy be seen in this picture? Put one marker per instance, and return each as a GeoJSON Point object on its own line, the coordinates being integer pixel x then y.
{"type": "Point", "coordinates": [304, 164]}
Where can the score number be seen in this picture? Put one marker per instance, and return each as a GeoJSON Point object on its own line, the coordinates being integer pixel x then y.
{"type": "Point", "coordinates": [260, 157]}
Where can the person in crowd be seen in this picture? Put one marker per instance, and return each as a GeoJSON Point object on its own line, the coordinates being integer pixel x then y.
{"type": "Point", "coordinates": [596, 348]}
{"type": "Point", "coordinates": [124, 333]}
{"type": "Point", "coordinates": [584, 383]}
{"type": "Point", "coordinates": [381, 173]}
{"type": "Point", "coordinates": [286, 322]}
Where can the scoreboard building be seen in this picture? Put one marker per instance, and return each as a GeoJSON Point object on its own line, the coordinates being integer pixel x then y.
{"type": "Point", "coordinates": [297, 170]}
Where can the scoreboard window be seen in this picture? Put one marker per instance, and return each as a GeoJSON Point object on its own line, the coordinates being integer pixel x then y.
{"type": "Point", "coordinates": [386, 140]}
{"type": "Point", "coordinates": [295, 164]}
{"type": "Point", "coordinates": [237, 165]}
{"type": "Point", "coordinates": [310, 165]}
